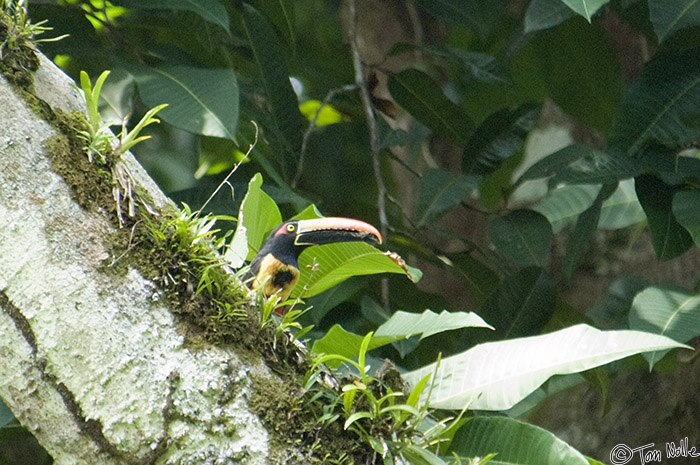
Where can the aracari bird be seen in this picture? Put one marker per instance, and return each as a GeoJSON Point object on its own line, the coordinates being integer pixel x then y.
{"type": "Point", "coordinates": [275, 267]}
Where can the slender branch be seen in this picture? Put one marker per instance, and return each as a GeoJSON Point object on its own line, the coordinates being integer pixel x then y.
{"type": "Point", "coordinates": [233, 170]}
{"type": "Point", "coordinates": [373, 139]}
{"type": "Point", "coordinates": [329, 96]}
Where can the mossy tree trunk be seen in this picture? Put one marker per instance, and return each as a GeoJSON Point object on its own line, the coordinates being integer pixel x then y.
{"type": "Point", "coordinates": [93, 362]}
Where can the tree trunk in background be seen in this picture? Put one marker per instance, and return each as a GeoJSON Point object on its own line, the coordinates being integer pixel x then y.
{"type": "Point", "coordinates": [92, 363]}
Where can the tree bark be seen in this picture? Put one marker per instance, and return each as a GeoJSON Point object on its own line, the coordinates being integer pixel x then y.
{"type": "Point", "coordinates": [93, 363]}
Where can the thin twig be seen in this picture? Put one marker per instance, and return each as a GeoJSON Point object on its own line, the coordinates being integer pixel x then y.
{"type": "Point", "coordinates": [373, 140]}
{"type": "Point", "coordinates": [233, 170]}
{"type": "Point", "coordinates": [329, 96]}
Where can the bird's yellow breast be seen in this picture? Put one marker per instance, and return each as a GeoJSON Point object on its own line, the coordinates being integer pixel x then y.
{"type": "Point", "coordinates": [277, 278]}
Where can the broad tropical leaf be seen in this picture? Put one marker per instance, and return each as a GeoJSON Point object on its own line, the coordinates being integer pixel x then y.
{"type": "Point", "coordinates": [324, 266]}
{"type": "Point", "coordinates": [439, 191]}
{"type": "Point", "coordinates": [564, 204]}
{"type": "Point", "coordinates": [670, 311]}
{"type": "Point", "coordinates": [622, 208]}
{"type": "Point", "coordinates": [499, 137]}
{"type": "Point", "coordinates": [668, 237]}
{"type": "Point", "coordinates": [258, 215]}
{"type": "Point", "coordinates": [586, 225]}
{"type": "Point", "coordinates": [524, 236]}
{"type": "Point", "coordinates": [661, 105]}
{"type": "Point", "coordinates": [670, 16]}
{"type": "Point", "coordinates": [514, 442]}
{"type": "Point", "coordinates": [543, 14]}
{"type": "Point", "coordinates": [421, 96]}
{"type": "Point", "coordinates": [401, 325]}
{"type": "Point", "coordinates": [686, 210]}
{"type": "Point", "coordinates": [582, 164]}
{"type": "Point", "coordinates": [210, 10]}
{"type": "Point", "coordinates": [201, 101]}
{"type": "Point", "coordinates": [498, 375]}
{"type": "Point", "coordinates": [521, 304]}
{"type": "Point", "coordinates": [280, 98]}
{"type": "Point", "coordinates": [404, 324]}
{"type": "Point", "coordinates": [585, 8]}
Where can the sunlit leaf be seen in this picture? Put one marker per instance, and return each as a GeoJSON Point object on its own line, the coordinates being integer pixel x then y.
{"type": "Point", "coordinates": [585, 8]}
{"type": "Point", "coordinates": [326, 265]}
{"type": "Point", "coordinates": [258, 214]}
{"type": "Point", "coordinates": [201, 101]}
{"type": "Point", "coordinates": [497, 375]}
{"type": "Point", "coordinates": [327, 115]}
{"type": "Point", "coordinates": [524, 236]}
{"type": "Point", "coordinates": [564, 204]}
{"type": "Point", "coordinates": [513, 442]}
{"type": "Point", "coordinates": [669, 16]}
{"type": "Point", "coordinates": [673, 312]}
{"type": "Point", "coordinates": [622, 208]}
{"type": "Point", "coordinates": [401, 325]}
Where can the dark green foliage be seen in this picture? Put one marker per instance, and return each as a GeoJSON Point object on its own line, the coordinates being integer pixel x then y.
{"type": "Point", "coordinates": [489, 88]}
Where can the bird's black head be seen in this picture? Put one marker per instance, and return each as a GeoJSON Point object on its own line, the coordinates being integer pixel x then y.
{"type": "Point", "coordinates": [282, 248]}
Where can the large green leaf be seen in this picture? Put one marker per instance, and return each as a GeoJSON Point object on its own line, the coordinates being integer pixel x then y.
{"type": "Point", "coordinates": [481, 279]}
{"type": "Point", "coordinates": [466, 12]}
{"type": "Point", "coordinates": [524, 236]}
{"type": "Point", "coordinates": [661, 105]}
{"type": "Point", "coordinates": [404, 324]}
{"type": "Point", "coordinates": [621, 209]}
{"type": "Point", "coordinates": [670, 311]}
{"type": "Point", "coordinates": [258, 215]}
{"type": "Point", "coordinates": [582, 164]}
{"type": "Point", "coordinates": [668, 237]}
{"type": "Point", "coordinates": [401, 325]}
{"type": "Point", "coordinates": [564, 204]}
{"type": "Point", "coordinates": [210, 10]}
{"type": "Point", "coordinates": [280, 99]}
{"type": "Point", "coordinates": [324, 266]}
{"type": "Point", "coordinates": [586, 225]}
{"type": "Point", "coordinates": [669, 16]}
{"type": "Point", "coordinates": [499, 137]}
{"type": "Point", "coordinates": [201, 101]}
{"type": "Point", "coordinates": [421, 96]}
{"type": "Point", "coordinates": [514, 442]}
{"type": "Point", "coordinates": [497, 375]}
{"type": "Point", "coordinates": [585, 8]}
{"type": "Point", "coordinates": [543, 14]}
{"type": "Point", "coordinates": [686, 210]}
{"type": "Point", "coordinates": [438, 192]}
{"type": "Point", "coordinates": [521, 305]}
{"type": "Point", "coordinates": [581, 71]}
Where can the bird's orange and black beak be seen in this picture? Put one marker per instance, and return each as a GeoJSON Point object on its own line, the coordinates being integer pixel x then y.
{"type": "Point", "coordinates": [275, 267]}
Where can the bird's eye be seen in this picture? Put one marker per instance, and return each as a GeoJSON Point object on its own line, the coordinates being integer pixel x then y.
{"type": "Point", "coordinates": [290, 228]}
